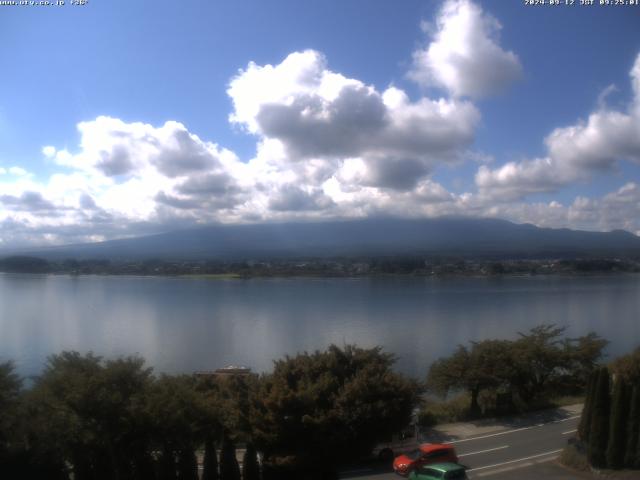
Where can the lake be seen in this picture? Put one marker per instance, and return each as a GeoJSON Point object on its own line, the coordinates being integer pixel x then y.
{"type": "Point", "coordinates": [183, 325]}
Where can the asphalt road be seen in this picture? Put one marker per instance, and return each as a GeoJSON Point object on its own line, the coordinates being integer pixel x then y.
{"type": "Point", "coordinates": [519, 452]}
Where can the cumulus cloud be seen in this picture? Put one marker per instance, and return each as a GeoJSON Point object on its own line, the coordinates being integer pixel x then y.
{"type": "Point", "coordinates": [328, 146]}
{"type": "Point", "coordinates": [303, 111]}
{"type": "Point", "coordinates": [291, 198]}
{"type": "Point", "coordinates": [464, 55]}
{"type": "Point", "coordinates": [575, 152]}
{"type": "Point", "coordinates": [14, 171]}
{"type": "Point", "coordinates": [28, 201]}
{"type": "Point", "coordinates": [124, 179]}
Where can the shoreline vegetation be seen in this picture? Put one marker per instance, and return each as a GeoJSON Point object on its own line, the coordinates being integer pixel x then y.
{"type": "Point", "coordinates": [92, 418]}
{"type": "Point", "coordinates": [347, 267]}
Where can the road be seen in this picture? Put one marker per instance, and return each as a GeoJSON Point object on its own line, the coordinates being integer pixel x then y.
{"type": "Point", "coordinates": [521, 449]}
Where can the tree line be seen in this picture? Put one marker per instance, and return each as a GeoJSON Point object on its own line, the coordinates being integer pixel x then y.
{"type": "Point", "coordinates": [86, 417]}
{"type": "Point", "coordinates": [610, 423]}
{"type": "Point", "coordinates": [518, 374]}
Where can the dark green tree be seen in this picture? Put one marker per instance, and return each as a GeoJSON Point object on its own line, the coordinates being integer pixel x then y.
{"type": "Point", "coordinates": [181, 415]}
{"type": "Point", "coordinates": [229, 468]}
{"type": "Point", "coordinates": [10, 386]}
{"type": "Point", "coordinates": [599, 431]}
{"type": "Point", "coordinates": [487, 365]}
{"type": "Point", "coordinates": [250, 467]}
{"type": "Point", "coordinates": [628, 366]}
{"type": "Point", "coordinates": [617, 424]}
{"type": "Point", "coordinates": [322, 407]}
{"type": "Point", "coordinates": [581, 357]}
{"type": "Point", "coordinates": [94, 411]}
{"type": "Point", "coordinates": [587, 409]}
{"type": "Point", "coordinates": [167, 465]}
{"type": "Point", "coordinates": [539, 364]}
{"type": "Point", "coordinates": [633, 429]}
{"type": "Point", "coordinates": [539, 357]}
{"type": "Point", "coordinates": [210, 462]}
{"type": "Point", "coordinates": [187, 464]}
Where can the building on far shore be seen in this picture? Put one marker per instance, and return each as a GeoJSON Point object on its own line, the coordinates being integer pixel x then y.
{"type": "Point", "coordinates": [228, 371]}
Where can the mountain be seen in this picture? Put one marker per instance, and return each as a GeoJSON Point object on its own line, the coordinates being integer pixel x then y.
{"type": "Point", "coordinates": [368, 237]}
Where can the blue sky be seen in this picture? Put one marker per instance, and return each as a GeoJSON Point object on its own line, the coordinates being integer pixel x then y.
{"type": "Point", "coordinates": [122, 118]}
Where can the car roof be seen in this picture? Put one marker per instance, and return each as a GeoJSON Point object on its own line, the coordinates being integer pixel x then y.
{"type": "Point", "coordinates": [432, 447]}
{"type": "Point", "coordinates": [445, 467]}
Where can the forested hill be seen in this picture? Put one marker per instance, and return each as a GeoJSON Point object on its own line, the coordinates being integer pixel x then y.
{"type": "Point", "coordinates": [370, 237]}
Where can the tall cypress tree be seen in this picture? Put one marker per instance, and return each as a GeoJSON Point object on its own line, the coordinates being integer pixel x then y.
{"type": "Point", "coordinates": [587, 409]}
{"type": "Point", "coordinates": [187, 464]}
{"type": "Point", "coordinates": [210, 463]}
{"type": "Point", "coordinates": [167, 465]}
{"type": "Point", "coordinates": [599, 434]}
{"type": "Point", "coordinates": [633, 427]}
{"type": "Point", "coordinates": [229, 468]}
{"type": "Point", "coordinates": [250, 467]}
{"type": "Point", "coordinates": [617, 424]}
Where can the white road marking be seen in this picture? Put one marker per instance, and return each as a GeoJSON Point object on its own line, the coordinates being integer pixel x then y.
{"type": "Point", "coordinates": [512, 431]}
{"type": "Point", "coordinates": [569, 431]}
{"type": "Point", "coordinates": [514, 461]}
{"type": "Point", "coordinates": [565, 419]}
{"type": "Point", "coordinates": [545, 460]}
{"type": "Point", "coordinates": [484, 451]}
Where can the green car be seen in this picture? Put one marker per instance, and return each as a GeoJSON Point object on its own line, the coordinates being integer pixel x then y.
{"type": "Point", "coordinates": [439, 471]}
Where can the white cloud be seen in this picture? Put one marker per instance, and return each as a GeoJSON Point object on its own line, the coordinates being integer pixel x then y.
{"type": "Point", "coordinates": [302, 112]}
{"type": "Point", "coordinates": [328, 146]}
{"type": "Point", "coordinates": [464, 55]}
{"type": "Point", "coordinates": [49, 151]}
{"type": "Point", "coordinates": [575, 152]}
{"type": "Point", "coordinates": [18, 171]}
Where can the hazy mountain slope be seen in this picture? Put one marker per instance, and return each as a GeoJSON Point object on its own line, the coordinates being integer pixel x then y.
{"type": "Point", "coordinates": [380, 236]}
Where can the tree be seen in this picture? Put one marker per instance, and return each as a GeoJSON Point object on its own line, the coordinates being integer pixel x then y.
{"type": "Point", "coordinates": [587, 410]}
{"type": "Point", "coordinates": [167, 465]}
{"type": "Point", "coordinates": [250, 467]}
{"type": "Point", "coordinates": [617, 423]}
{"type": "Point", "coordinates": [187, 464]}
{"type": "Point", "coordinates": [210, 462]}
{"type": "Point", "coordinates": [538, 355]}
{"type": "Point", "coordinates": [10, 393]}
{"type": "Point", "coordinates": [94, 410]}
{"type": "Point", "coordinates": [229, 468]}
{"type": "Point", "coordinates": [538, 364]}
{"type": "Point", "coordinates": [599, 431]}
{"type": "Point", "coordinates": [323, 407]}
{"type": "Point", "coordinates": [582, 355]}
{"type": "Point", "coordinates": [487, 365]}
{"type": "Point", "coordinates": [628, 366]}
{"type": "Point", "coordinates": [10, 386]}
{"type": "Point", "coordinates": [631, 459]}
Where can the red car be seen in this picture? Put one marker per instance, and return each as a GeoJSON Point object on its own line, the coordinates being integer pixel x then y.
{"type": "Point", "coordinates": [426, 454]}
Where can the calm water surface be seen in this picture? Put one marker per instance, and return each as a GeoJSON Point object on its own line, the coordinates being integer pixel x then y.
{"type": "Point", "coordinates": [182, 325]}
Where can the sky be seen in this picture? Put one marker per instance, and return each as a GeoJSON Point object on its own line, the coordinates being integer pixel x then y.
{"type": "Point", "coordinates": [124, 118]}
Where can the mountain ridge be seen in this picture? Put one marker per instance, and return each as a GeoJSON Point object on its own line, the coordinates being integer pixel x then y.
{"type": "Point", "coordinates": [381, 236]}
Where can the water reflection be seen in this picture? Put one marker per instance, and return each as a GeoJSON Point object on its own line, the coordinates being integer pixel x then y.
{"type": "Point", "coordinates": [182, 325]}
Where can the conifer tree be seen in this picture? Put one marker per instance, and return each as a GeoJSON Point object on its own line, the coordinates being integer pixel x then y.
{"type": "Point", "coordinates": [599, 432]}
{"type": "Point", "coordinates": [617, 423]}
{"type": "Point", "coordinates": [229, 468]}
{"type": "Point", "coordinates": [633, 428]}
{"type": "Point", "coordinates": [187, 465]}
{"type": "Point", "coordinates": [585, 419]}
{"type": "Point", "coordinates": [167, 465]}
{"type": "Point", "coordinates": [210, 463]}
{"type": "Point", "coordinates": [250, 467]}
